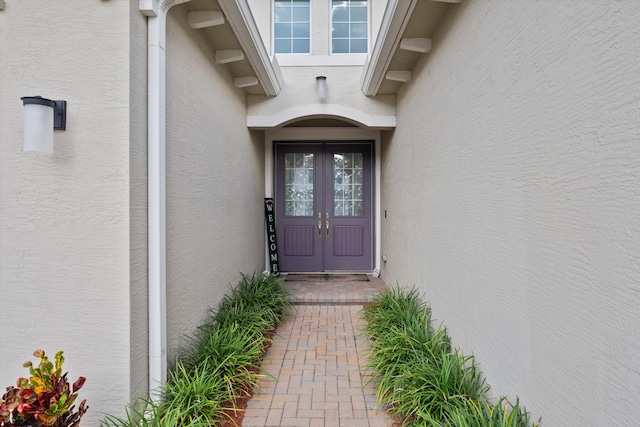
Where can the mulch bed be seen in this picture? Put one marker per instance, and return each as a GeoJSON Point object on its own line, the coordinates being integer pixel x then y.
{"type": "Point", "coordinates": [233, 417]}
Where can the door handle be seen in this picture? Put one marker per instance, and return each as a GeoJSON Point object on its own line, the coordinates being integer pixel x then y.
{"type": "Point", "coordinates": [319, 229]}
{"type": "Point", "coordinates": [327, 224]}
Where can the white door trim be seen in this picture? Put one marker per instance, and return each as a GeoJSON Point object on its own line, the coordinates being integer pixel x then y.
{"type": "Point", "coordinates": [325, 134]}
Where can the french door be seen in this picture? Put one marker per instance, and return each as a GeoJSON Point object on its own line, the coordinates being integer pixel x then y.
{"type": "Point", "coordinates": [323, 198]}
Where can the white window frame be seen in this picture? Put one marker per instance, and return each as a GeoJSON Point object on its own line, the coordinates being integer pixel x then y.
{"type": "Point", "coordinates": [273, 33]}
{"type": "Point", "coordinates": [330, 35]}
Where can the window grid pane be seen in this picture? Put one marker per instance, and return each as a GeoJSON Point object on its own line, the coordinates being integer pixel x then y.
{"type": "Point", "coordinates": [348, 178]}
{"type": "Point", "coordinates": [349, 26]}
{"type": "Point", "coordinates": [298, 184]}
{"type": "Point", "coordinates": [292, 26]}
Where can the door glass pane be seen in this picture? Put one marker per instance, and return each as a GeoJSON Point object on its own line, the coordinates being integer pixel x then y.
{"type": "Point", "coordinates": [348, 194]}
{"type": "Point", "coordinates": [298, 184]}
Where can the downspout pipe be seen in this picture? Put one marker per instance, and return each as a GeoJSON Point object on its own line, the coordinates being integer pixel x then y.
{"type": "Point", "coordinates": [156, 11]}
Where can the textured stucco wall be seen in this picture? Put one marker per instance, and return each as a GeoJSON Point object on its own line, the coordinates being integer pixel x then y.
{"type": "Point", "coordinates": [343, 89]}
{"type": "Point", "coordinates": [516, 160]}
{"type": "Point", "coordinates": [215, 219]}
{"type": "Point", "coordinates": [139, 338]}
{"type": "Point", "coordinates": [64, 235]}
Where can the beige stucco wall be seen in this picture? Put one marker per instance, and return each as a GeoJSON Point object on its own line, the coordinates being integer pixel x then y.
{"type": "Point", "coordinates": [215, 219]}
{"type": "Point", "coordinates": [512, 198]}
{"type": "Point", "coordinates": [299, 98]}
{"type": "Point", "coordinates": [64, 218]}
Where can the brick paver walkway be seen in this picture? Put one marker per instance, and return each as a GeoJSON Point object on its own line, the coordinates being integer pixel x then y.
{"type": "Point", "coordinates": [317, 380]}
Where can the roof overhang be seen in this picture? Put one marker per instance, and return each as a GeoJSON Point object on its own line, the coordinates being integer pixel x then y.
{"type": "Point", "coordinates": [230, 29]}
{"type": "Point", "coordinates": [405, 34]}
{"type": "Point", "coordinates": [244, 27]}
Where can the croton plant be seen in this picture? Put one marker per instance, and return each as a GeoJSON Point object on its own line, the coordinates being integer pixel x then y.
{"type": "Point", "coordinates": [44, 399]}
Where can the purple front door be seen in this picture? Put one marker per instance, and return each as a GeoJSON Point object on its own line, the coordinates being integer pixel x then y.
{"type": "Point", "coordinates": [323, 198]}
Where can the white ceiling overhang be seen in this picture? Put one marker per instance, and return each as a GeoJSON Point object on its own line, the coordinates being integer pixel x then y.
{"type": "Point", "coordinates": [405, 35]}
{"type": "Point", "coordinates": [233, 34]}
{"type": "Point", "coordinates": [244, 27]}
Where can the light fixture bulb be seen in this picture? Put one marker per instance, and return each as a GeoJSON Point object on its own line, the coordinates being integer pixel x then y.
{"type": "Point", "coordinates": [38, 124]}
{"type": "Point", "coordinates": [321, 88]}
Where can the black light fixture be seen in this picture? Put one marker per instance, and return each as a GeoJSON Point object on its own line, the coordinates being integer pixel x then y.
{"type": "Point", "coordinates": [41, 117]}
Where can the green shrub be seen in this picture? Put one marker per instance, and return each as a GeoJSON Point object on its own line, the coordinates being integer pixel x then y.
{"type": "Point", "coordinates": [502, 414]}
{"type": "Point", "coordinates": [151, 415]}
{"type": "Point", "coordinates": [230, 353]}
{"type": "Point", "coordinates": [429, 389]}
{"type": "Point", "coordinates": [420, 378]}
{"type": "Point", "coordinates": [396, 308]}
{"type": "Point", "coordinates": [196, 394]}
{"type": "Point", "coordinates": [221, 362]}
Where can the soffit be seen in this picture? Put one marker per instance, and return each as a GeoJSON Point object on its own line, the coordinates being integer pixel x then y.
{"type": "Point", "coordinates": [419, 20]}
{"type": "Point", "coordinates": [223, 37]}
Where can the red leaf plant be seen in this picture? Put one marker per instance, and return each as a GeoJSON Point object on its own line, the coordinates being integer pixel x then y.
{"type": "Point", "coordinates": [45, 399]}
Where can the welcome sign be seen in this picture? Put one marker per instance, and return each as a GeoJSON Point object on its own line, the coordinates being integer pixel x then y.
{"type": "Point", "coordinates": [270, 216]}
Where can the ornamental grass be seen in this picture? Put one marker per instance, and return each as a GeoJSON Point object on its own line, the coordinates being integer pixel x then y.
{"type": "Point", "coordinates": [221, 364]}
{"type": "Point", "coordinates": [421, 379]}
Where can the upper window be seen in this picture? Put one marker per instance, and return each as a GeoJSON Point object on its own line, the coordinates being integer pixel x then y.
{"type": "Point", "coordinates": [291, 27]}
{"type": "Point", "coordinates": [349, 26]}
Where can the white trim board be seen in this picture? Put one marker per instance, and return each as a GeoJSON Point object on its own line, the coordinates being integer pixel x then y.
{"type": "Point", "coordinates": [353, 115]}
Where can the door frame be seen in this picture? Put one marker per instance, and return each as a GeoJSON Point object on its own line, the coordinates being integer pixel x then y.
{"type": "Point", "coordinates": [345, 135]}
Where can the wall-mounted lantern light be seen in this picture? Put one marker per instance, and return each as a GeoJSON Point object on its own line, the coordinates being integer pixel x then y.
{"type": "Point", "coordinates": [41, 117]}
{"type": "Point", "coordinates": [321, 88]}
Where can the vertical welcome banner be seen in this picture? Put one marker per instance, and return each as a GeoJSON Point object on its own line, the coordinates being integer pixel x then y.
{"type": "Point", "coordinates": [270, 216]}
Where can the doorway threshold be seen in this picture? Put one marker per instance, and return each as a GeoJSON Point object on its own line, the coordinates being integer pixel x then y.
{"type": "Point", "coordinates": [326, 277]}
{"type": "Point", "coordinates": [333, 289]}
